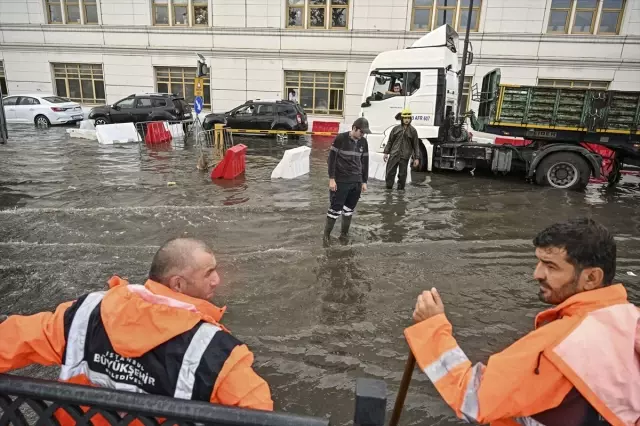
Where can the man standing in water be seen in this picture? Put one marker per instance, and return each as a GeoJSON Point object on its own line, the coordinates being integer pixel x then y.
{"type": "Point", "coordinates": [403, 142]}
{"type": "Point", "coordinates": [348, 174]}
{"type": "Point", "coordinates": [581, 364]}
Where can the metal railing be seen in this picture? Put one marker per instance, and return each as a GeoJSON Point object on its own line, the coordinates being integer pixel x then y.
{"type": "Point", "coordinates": [28, 401]}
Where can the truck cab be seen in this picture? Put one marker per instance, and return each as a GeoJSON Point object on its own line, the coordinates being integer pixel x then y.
{"type": "Point", "coordinates": [423, 78]}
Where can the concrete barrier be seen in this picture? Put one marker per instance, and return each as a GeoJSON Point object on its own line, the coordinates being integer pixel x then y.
{"type": "Point", "coordinates": [87, 125]}
{"type": "Point", "coordinates": [294, 163]}
{"type": "Point", "coordinates": [378, 167]}
{"type": "Point", "coordinates": [83, 134]}
{"type": "Point", "coordinates": [177, 131]}
{"type": "Point", "coordinates": [108, 134]}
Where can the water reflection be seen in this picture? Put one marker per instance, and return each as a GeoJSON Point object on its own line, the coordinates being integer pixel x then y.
{"type": "Point", "coordinates": [392, 215]}
{"type": "Point", "coordinates": [344, 285]}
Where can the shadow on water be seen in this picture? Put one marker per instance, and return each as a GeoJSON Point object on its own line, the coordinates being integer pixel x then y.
{"type": "Point", "coordinates": [74, 213]}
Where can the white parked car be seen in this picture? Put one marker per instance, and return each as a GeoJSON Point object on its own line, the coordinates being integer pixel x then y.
{"type": "Point", "coordinates": [41, 110]}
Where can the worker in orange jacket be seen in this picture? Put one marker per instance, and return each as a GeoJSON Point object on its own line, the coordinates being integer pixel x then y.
{"type": "Point", "coordinates": [162, 338]}
{"type": "Point", "coordinates": [581, 364]}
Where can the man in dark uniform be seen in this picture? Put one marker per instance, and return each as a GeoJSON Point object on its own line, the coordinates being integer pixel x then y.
{"type": "Point", "coordinates": [348, 174]}
{"type": "Point", "coordinates": [403, 142]}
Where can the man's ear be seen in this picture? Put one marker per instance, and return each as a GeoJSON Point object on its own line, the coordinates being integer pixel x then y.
{"type": "Point", "coordinates": [176, 283]}
{"type": "Point", "coordinates": [593, 278]}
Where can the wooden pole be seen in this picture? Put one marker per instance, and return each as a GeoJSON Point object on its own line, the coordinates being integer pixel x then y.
{"type": "Point", "coordinates": [404, 387]}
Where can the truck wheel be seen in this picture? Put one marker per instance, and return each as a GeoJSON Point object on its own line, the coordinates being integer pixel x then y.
{"type": "Point", "coordinates": [422, 160]}
{"type": "Point", "coordinates": [564, 170]}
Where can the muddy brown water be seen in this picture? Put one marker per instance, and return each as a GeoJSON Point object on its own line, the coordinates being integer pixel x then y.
{"type": "Point", "coordinates": [74, 213]}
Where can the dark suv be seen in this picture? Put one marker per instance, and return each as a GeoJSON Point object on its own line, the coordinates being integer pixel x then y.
{"type": "Point", "coordinates": [143, 107]}
{"type": "Point", "coordinates": [261, 115]}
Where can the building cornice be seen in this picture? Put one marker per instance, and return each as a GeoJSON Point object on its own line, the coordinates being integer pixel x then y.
{"type": "Point", "coordinates": [488, 60]}
{"type": "Point", "coordinates": [354, 33]}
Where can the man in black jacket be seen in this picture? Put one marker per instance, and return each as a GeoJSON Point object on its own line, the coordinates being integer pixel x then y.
{"type": "Point", "coordinates": [348, 174]}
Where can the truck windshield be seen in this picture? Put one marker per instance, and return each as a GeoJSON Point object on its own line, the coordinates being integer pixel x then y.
{"type": "Point", "coordinates": [390, 84]}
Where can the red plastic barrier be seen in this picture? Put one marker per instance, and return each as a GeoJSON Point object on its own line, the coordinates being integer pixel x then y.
{"type": "Point", "coordinates": [233, 163]}
{"type": "Point", "coordinates": [157, 133]}
{"type": "Point", "coordinates": [325, 126]}
{"type": "Point", "coordinates": [502, 140]}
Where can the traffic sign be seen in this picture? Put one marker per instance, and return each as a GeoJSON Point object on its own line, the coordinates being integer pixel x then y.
{"type": "Point", "coordinates": [198, 86]}
{"type": "Point", "coordinates": [197, 104]}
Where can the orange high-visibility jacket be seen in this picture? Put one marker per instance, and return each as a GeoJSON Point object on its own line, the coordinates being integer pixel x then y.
{"type": "Point", "coordinates": [146, 339]}
{"type": "Point", "coordinates": [590, 342]}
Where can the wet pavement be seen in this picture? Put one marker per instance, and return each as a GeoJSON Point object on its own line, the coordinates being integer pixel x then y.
{"type": "Point", "coordinates": [74, 213]}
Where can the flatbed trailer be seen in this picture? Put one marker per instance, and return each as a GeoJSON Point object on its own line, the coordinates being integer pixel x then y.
{"type": "Point", "coordinates": [550, 116]}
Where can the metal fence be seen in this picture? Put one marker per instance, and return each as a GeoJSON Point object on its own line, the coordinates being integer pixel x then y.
{"type": "Point", "coordinates": [164, 132]}
{"type": "Point", "coordinates": [27, 401]}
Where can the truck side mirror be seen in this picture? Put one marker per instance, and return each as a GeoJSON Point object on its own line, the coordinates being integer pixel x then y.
{"type": "Point", "coordinates": [469, 58]}
{"type": "Point", "coordinates": [367, 103]}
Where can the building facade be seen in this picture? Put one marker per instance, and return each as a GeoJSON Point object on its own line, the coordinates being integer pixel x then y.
{"type": "Point", "coordinates": [316, 51]}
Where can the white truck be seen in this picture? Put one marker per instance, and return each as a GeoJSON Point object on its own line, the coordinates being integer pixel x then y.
{"type": "Point", "coordinates": [427, 75]}
{"type": "Point", "coordinates": [425, 79]}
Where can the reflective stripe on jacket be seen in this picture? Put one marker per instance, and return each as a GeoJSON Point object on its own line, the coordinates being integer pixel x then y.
{"type": "Point", "coordinates": [590, 342]}
{"type": "Point", "coordinates": [145, 339]}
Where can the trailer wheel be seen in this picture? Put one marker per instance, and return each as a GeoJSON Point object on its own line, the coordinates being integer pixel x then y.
{"type": "Point", "coordinates": [564, 170]}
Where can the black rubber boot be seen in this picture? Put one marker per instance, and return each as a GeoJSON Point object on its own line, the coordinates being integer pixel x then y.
{"type": "Point", "coordinates": [328, 227]}
{"type": "Point", "coordinates": [346, 223]}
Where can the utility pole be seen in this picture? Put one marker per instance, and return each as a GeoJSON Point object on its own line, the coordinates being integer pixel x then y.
{"type": "Point", "coordinates": [4, 133]}
{"type": "Point", "coordinates": [464, 64]}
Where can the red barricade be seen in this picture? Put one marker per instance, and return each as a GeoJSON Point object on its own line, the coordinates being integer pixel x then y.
{"type": "Point", "coordinates": [325, 126]}
{"type": "Point", "coordinates": [157, 133]}
{"type": "Point", "coordinates": [233, 163]}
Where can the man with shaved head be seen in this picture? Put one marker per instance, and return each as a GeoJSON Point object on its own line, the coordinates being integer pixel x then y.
{"type": "Point", "coordinates": [163, 337]}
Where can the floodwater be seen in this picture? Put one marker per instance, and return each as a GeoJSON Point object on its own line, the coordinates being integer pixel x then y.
{"type": "Point", "coordinates": [74, 213]}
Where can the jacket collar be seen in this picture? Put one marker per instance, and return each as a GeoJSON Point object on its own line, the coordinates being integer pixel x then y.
{"type": "Point", "coordinates": [582, 303]}
{"type": "Point", "coordinates": [204, 307]}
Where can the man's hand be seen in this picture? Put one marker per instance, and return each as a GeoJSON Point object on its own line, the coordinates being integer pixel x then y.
{"type": "Point", "coordinates": [364, 187]}
{"type": "Point", "coordinates": [429, 304]}
{"type": "Point", "coordinates": [415, 163]}
{"type": "Point", "coordinates": [333, 186]}
{"type": "Point", "coordinates": [385, 158]}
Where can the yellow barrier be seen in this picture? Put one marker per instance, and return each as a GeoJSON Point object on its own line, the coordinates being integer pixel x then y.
{"type": "Point", "coordinates": [277, 132]}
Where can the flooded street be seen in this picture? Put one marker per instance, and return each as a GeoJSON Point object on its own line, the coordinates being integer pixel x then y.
{"type": "Point", "coordinates": [74, 213]}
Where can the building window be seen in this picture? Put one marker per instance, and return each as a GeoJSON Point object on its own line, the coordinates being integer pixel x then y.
{"type": "Point", "coordinates": [180, 12]}
{"type": "Point", "coordinates": [72, 11]}
{"type": "Point", "coordinates": [430, 14]}
{"type": "Point", "coordinates": [611, 17]}
{"type": "Point", "coordinates": [83, 83]}
{"type": "Point", "coordinates": [180, 81]}
{"type": "Point", "coordinates": [200, 11]}
{"type": "Point", "coordinates": [585, 16]}
{"type": "Point", "coordinates": [320, 14]}
{"type": "Point", "coordinates": [3, 80]}
{"type": "Point", "coordinates": [574, 84]}
{"type": "Point", "coordinates": [317, 92]}
{"type": "Point", "coordinates": [54, 11]}
{"type": "Point", "coordinates": [90, 12]}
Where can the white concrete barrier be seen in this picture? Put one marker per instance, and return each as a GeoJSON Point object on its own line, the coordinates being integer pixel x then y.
{"type": "Point", "coordinates": [294, 163]}
{"type": "Point", "coordinates": [108, 134]}
{"type": "Point", "coordinates": [87, 125]}
{"type": "Point", "coordinates": [176, 130]}
{"type": "Point", "coordinates": [83, 134]}
{"type": "Point", "coordinates": [378, 167]}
